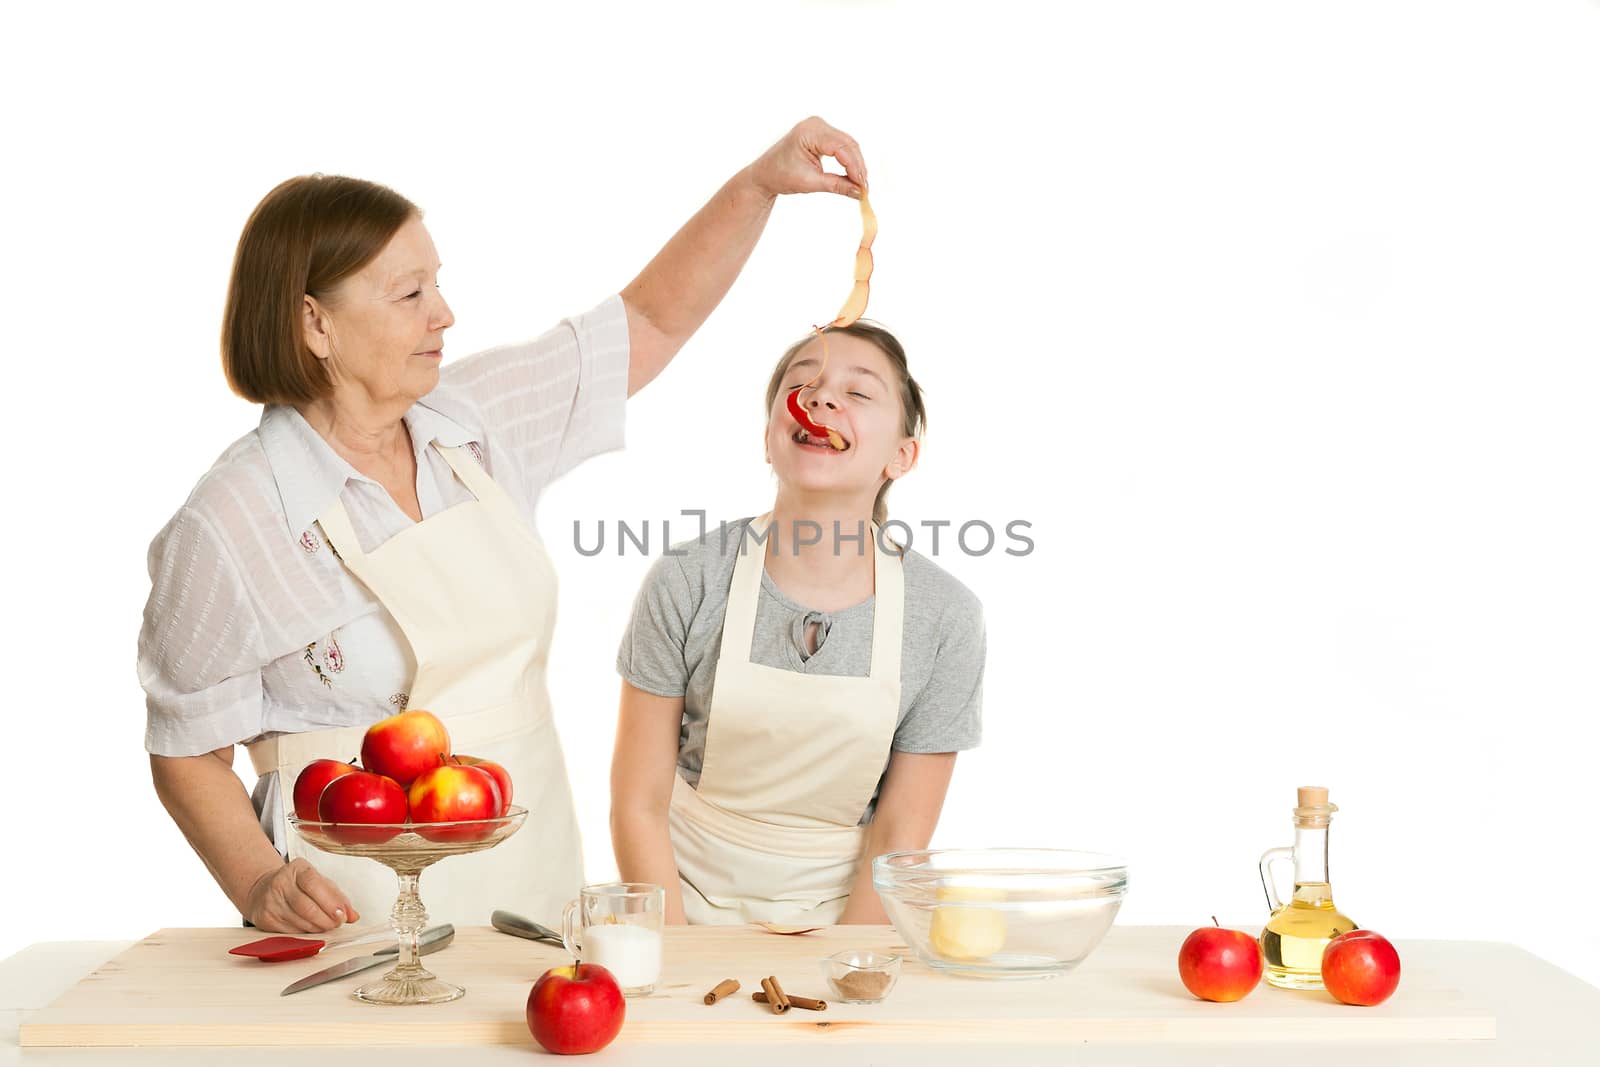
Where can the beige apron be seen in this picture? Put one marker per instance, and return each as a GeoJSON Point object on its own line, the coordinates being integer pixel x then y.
{"type": "Point", "coordinates": [472, 589]}
{"type": "Point", "coordinates": [791, 762]}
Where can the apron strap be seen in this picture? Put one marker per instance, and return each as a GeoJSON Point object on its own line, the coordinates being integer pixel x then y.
{"type": "Point", "coordinates": [744, 595]}
{"type": "Point", "coordinates": [477, 480]}
{"type": "Point", "coordinates": [335, 523]}
{"type": "Point", "coordinates": [888, 608]}
{"type": "Point", "coordinates": [744, 592]}
{"type": "Point", "coordinates": [263, 756]}
{"type": "Point", "coordinates": [298, 749]}
{"type": "Point", "coordinates": [336, 527]}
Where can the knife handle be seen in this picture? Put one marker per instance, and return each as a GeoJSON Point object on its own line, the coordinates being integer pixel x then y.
{"type": "Point", "coordinates": [510, 923]}
{"type": "Point", "coordinates": [356, 935]}
{"type": "Point", "coordinates": [432, 939]}
{"type": "Point", "coordinates": [442, 936]}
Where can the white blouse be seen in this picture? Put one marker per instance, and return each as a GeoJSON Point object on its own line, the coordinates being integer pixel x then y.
{"type": "Point", "coordinates": [253, 627]}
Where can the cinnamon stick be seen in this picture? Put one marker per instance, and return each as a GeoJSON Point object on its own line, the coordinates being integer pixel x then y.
{"type": "Point", "coordinates": [795, 1002]}
{"type": "Point", "coordinates": [776, 997]}
{"type": "Point", "coordinates": [726, 987]}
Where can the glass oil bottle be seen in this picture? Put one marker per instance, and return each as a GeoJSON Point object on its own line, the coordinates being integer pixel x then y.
{"type": "Point", "coordinates": [1298, 931]}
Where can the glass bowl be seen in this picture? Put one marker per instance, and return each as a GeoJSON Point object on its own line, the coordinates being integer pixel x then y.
{"type": "Point", "coordinates": [408, 849]}
{"type": "Point", "coordinates": [861, 976]}
{"type": "Point", "coordinates": [1001, 912]}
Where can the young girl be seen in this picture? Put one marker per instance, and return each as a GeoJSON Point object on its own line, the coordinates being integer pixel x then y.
{"type": "Point", "coordinates": [795, 687]}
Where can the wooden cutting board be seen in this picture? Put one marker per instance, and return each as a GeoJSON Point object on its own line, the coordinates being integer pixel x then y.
{"type": "Point", "coordinates": [180, 987]}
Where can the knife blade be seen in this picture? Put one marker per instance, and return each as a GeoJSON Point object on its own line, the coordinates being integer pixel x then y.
{"type": "Point", "coordinates": [430, 940]}
{"type": "Point", "coordinates": [515, 925]}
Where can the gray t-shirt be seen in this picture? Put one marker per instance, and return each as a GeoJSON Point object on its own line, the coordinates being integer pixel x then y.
{"type": "Point", "coordinates": [675, 635]}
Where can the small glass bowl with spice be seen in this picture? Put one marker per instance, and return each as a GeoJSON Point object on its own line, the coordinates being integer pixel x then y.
{"type": "Point", "coordinates": [861, 976]}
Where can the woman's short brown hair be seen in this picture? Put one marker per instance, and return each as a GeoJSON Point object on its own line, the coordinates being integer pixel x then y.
{"type": "Point", "coordinates": [306, 236]}
{"type": "Point", "coordinates": [913, 413]}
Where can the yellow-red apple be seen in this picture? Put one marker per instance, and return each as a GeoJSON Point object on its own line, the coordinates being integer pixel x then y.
{"type": "Point", "coordinates": [453, 793]}
{"type": "Point", "coordinates": [404, 745]}
{"type": "Point", "coordinates": [502, 777]}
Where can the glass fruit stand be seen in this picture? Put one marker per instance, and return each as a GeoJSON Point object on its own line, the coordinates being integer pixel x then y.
{"type": "Point", "coordinates": [408, 849]}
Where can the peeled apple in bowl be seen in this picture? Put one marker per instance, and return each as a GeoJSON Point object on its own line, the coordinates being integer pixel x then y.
{"type": "Point", "coordinates": [963, 932]}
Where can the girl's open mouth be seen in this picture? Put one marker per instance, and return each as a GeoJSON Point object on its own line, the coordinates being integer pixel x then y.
{"type": "Point", "coordinates": [821, 444]}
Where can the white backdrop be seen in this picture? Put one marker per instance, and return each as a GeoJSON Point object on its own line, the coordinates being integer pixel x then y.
{"type": "Point", "coordinates": [1276, 320]}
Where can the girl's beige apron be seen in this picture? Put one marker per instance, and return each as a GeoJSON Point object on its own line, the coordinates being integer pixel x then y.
{"type": "Point", "coordinates": [472, 589]}
{"type": "Point", "coordinates": [772, 832]}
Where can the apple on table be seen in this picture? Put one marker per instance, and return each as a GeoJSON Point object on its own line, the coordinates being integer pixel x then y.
{"type": "Point", "coordinates": [1360, 967]}
{"type": "Point", "coordinates": [576, 1009]}
{"type": "Point", "coordinates": [1219, 964]}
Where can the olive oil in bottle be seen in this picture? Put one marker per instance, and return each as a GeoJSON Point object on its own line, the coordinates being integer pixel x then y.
{"type": "Point", "coordinates": [1292, 943]}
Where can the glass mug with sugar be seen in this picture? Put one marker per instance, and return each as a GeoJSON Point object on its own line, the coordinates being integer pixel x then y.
{"type": "Point", "coordinates": [618, 926]}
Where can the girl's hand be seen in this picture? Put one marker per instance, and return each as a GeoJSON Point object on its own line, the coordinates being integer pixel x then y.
{"type": "Point", "coordinates": [794, 164]}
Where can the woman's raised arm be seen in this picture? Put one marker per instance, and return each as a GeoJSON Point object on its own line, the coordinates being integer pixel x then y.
{"type": "Point", "coordinates": [688, 278]}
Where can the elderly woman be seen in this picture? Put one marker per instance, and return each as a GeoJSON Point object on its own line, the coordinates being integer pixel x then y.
{"type": "Point", "coordinates": [370, 546]}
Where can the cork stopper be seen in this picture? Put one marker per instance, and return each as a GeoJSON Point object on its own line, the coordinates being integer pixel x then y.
{"type": "Point", "coordinates": [1313, 810]}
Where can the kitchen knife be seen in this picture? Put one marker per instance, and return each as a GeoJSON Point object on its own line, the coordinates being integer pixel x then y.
{"type": "Point", "coordinates": [430, 940]}
{"type": "Point", "coordinates": [517, 926]}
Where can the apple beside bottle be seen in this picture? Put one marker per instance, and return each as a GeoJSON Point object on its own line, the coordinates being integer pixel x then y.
{"type": "Point", "coordinates": [1359, 967]}
{"type": "Point", "coordinates": [1219, 964]}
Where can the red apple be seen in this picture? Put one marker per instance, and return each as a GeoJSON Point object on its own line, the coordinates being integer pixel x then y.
{"type": "Point", "coordinates": [404, 745]}
{"type": "Point", "coordinates": [310, 782]}
{"type": "Point", "coordinates": [453, 793]}
{"type": "Point", "coordinates": [362, 797]}
{"type": "Point", "coordinates": [502, 777]}
{"type": "Point", "coordinates": [1360, 967]}
{"type": "Point", "coordinates": [576, 1009]}
{"type": "Point", "coordinates": [1217, 964]}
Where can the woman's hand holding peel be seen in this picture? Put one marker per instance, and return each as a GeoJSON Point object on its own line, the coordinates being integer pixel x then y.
{"type": "Point", "coordinates": [794, 164]}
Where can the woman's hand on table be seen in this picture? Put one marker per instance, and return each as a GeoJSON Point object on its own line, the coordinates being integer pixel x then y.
{"type": "Point", "coordinates": [296, 898]}
{"type": "Point", "coordinates": [210, 805]}
{"type": "Point", "coordinates": [794, 164]}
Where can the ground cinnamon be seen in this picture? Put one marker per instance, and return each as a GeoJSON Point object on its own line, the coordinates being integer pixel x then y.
{"type": "Point", "coordinates": [725, 988]}
{"type": "Point", "coordinates": [795, 1002]}
{"type": "Point", "coordinates": [862, 985]}
{"type": "Point", "coordinates": [776, 997]}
